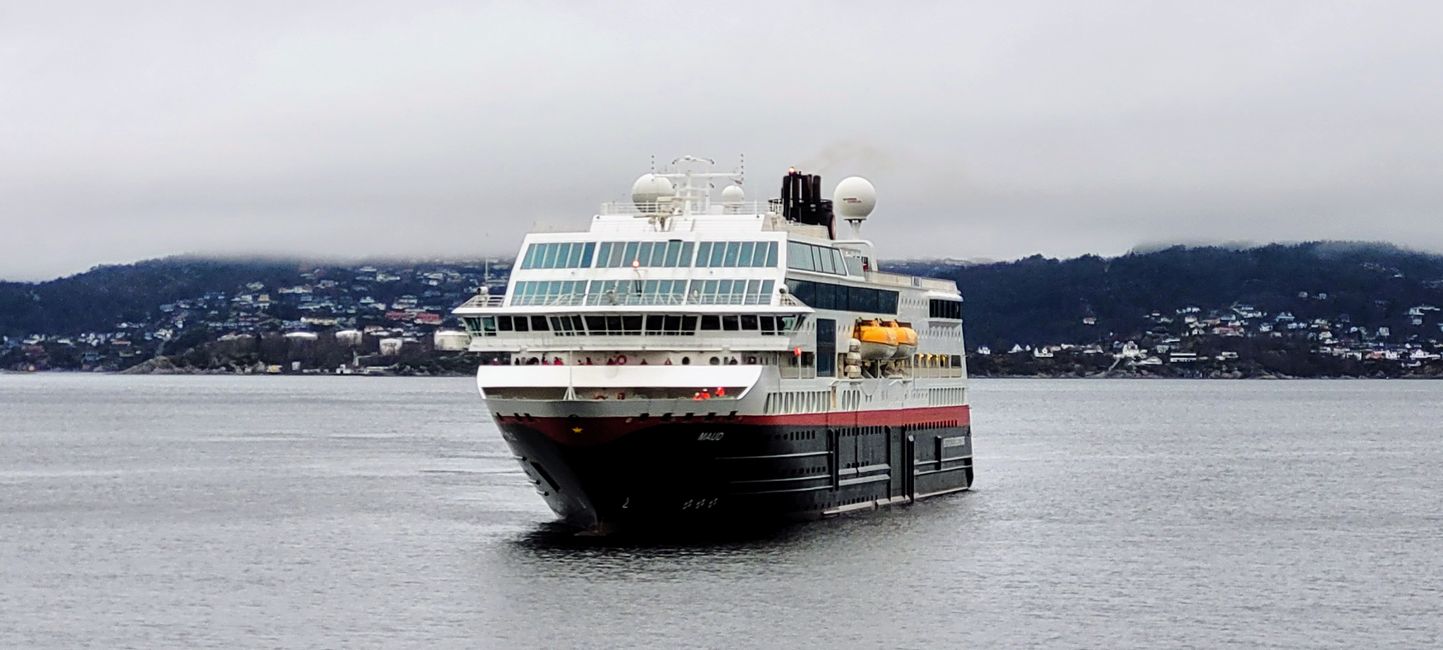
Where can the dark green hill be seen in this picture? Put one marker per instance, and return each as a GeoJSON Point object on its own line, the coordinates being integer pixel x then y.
{"type": "Point", "coordinates": [1034, 300]}
{"type": "Point", "coordinates": [99, 298]}
{"type": "Point", "coordinates": [1041, 300]}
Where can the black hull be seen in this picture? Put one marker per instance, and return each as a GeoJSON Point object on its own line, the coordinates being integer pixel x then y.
{"type": "Point", "coordinates": [695, 474]}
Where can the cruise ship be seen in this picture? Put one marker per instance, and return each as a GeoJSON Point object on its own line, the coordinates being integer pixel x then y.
{"type": "Point", "coordinates": [693, 358]}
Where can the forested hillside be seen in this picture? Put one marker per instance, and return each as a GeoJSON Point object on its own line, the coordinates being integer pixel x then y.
{"type": "Point", "coordinates": [1039, 300]}
{"type": "Point", "coordinates": [1314, 309]}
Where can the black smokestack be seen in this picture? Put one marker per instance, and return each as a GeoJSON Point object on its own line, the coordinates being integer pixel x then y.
{"type": "Point", "coordinates": [802, 200]}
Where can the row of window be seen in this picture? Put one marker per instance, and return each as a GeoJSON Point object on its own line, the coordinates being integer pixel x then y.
{"type": "Point", "coordinates": [823, 295]}
{"type": "Point", "coordinates": [730, 292]}
{"type": "Point", "coordinates": [636, 292]}
{"type": "Point", "coordinates": [634, 324]}
{"type": "Point", "coordinates": [561, 255]}
{"type": "Point", "coordinates": [822, 259]}
{"type": "Point", "coordinates": [642, 292]}
{"type": "Point", "coordinates": [733, 254]}
{"type": "Point", "coordinates": [553, 292]}
{"type": "Point", "coordinates": [944, 309]}
{"type": "Point", "coordinates": [658, 254]}
{"type": "Point", "coordinates": [666, 254]}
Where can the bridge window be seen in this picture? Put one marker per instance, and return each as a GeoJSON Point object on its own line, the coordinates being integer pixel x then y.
{"type": "Point", "coordinates": [568, 325]}
{"type": "Point", "coordinates": [635, 324]}
{"type": "Point", "coordinates": [480, 325]}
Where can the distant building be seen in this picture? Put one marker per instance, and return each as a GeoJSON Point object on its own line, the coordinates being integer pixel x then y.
{"type": "Point", "coordinates": [450, 340]}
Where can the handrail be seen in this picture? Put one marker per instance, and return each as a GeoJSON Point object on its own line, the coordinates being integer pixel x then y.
{"type": "Point", "coordinates": [484, 300]}
{"type": "Point", "coordinates": [775, 299]}
{"type": "Point", "coordinates": [899, 280]}
{"type": "Point", "coordinates": [633, 299]}
{"type": "Point", "coordinates": [678, 208]}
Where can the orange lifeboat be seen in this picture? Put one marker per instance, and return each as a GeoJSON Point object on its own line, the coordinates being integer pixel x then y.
{"type": "Point", "coordinates": [906, 340]}
{"type": "Point", "coordinates": [879, 342]}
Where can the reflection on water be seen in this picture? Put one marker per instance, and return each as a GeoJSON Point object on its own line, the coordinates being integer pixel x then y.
{"type": "Point", "coordinates": [220, 511]}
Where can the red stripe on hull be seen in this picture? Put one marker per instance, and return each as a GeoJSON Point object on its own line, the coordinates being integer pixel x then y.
{"type": "Point", "coordinates": [594, 431]}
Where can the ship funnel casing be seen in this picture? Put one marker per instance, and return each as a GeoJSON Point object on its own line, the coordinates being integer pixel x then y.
{"type": "Point", "coordinates": [802, 200]}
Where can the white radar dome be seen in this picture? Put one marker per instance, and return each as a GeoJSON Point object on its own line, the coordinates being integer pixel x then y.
{"type": "Point", "coordinates": [650, 189]}
{"type": "Point", "coordinates": [854, 198]}
{"type": "Point", "coordinates": [733, 194]}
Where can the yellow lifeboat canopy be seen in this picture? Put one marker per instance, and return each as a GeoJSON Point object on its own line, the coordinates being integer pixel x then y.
{"type": "Point", "coordinates": [879, 342]}
{"type": "Point", "coordinates": [906, 340]}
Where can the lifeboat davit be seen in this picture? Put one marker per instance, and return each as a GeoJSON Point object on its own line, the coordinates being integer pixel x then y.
{"type": "Point", "coordinates": [906, 340]}
{"type": "Point", "coordinates": [879, 342]}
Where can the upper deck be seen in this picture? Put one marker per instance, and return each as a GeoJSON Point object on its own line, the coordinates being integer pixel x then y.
{"type": "Point", "coordinates": [674, 256]}
{"type": "Point", "coordinates": [713, 260]}
{"type": "Point", "coordinates": [674, 279]}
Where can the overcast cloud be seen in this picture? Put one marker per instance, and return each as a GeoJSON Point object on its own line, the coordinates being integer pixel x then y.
{"type": "Point", "coordinates": [134, 130]}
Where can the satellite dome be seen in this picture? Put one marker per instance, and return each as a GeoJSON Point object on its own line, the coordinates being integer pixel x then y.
{"type": "Point", "coordinates": [733, 194]}
{"type": "Point", "coordinates": [854, 198]}
{"type": "Point", "coordinates": [650, 189]}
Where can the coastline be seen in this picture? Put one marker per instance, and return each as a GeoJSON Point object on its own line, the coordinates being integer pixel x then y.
{"type": "Point", "coordinates": [173, 371]}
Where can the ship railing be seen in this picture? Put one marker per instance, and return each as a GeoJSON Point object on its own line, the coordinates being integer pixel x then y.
{"type": "Point", "coordinates": [678, 208]}
{"type": "Point", "coordinates": [654, 300]}
{"type": "Point", "coordinates": [899, 280]}
{"type": "Point", "coordinates": [484, 300]}
{"type": "Point", "coordinates": [922, 372]}
{"type": "Point", "coordinates": [647, 338]}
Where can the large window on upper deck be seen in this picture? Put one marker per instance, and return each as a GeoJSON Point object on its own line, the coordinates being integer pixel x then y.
{"type": "Point", "coordinates": [636, 292]}
{"type": "Point", "coordinates": [558, 255]}
{"type": "Point", "coordinates": [735, 254]}
{"type": "Point", "coordinates": [824, 295]}
{"type": "Point", "coordinates": [554, 292]}
{"type": "Point", "coordinates": [730, 292]}
{"type": "Point", "coordinates": [944, 309]}
{"type": "Point", "coordinates": [811, 257]}
{"type": "Point", "coordinates": [666, 254]}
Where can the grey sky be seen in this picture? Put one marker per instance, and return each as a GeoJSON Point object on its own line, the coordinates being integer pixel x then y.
{"type": "Point", "coordinates": [133, 130]}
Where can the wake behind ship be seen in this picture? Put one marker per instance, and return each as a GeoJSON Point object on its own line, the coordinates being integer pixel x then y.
{"type": "Point", "coordinates": [693, 360]}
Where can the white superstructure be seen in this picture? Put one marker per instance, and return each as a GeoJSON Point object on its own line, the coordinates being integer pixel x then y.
{"type": "Point", "coordinates": [690, 301]}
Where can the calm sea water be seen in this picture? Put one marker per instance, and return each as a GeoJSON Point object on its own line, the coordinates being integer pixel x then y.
{"type": "Point", "coordinates": [350, 512]}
